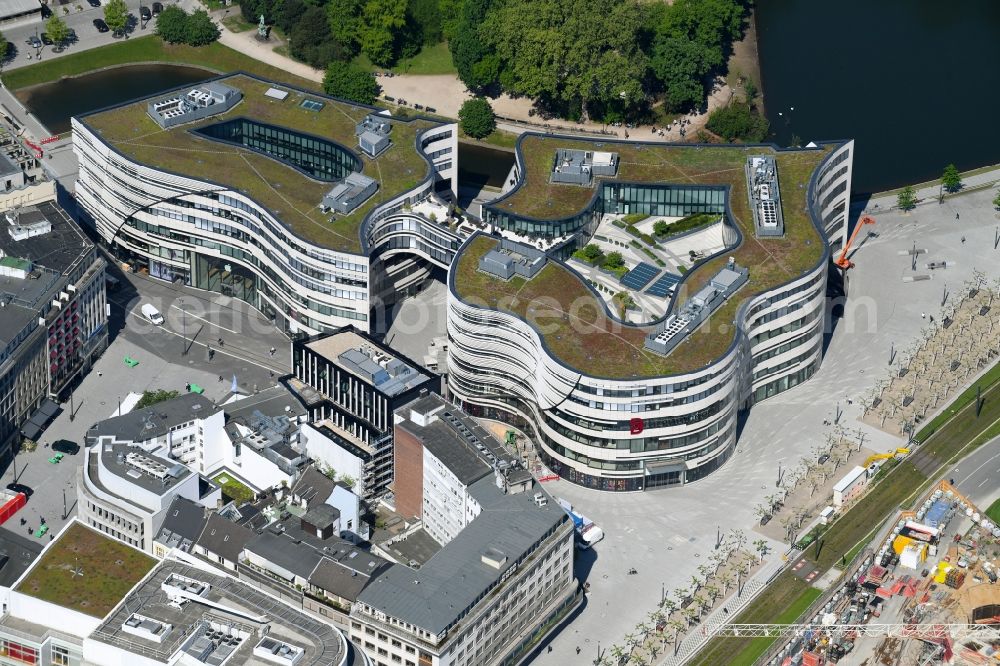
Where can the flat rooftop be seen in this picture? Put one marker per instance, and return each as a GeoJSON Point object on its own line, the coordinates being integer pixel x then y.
{"type": "Point", "coordinates": [388, 372]}
{"type": "Point", "coordinates": [17, 554]}
{"type": "Point", "coordinates": [155, 421]}
{"type": "Point", "coordinates": [288, 193]}
{"type": "Point", "coordinates": [85, 571]}
{"type": "Point", "coordinates": [447, 586]}
{"type": "Point", "coordinates": [596, 344]}
{"type": "Point", "coordinates": [51, 254]}
{"type": "Point", "coordinates": [224, 623]}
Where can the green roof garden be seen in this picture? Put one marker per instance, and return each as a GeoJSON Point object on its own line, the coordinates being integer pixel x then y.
{"type": "Point", "coordinates": [288, 193]}
{"type": "Point", "coordinates": [86, 571]}
{"type": "Point", "coordinates": [578, 330]}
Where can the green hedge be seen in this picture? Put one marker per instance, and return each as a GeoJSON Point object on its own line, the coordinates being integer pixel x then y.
{"type": "Point", "coordinates": [634, 218]}
{"type": "Point", "coordinates": [690, 222]}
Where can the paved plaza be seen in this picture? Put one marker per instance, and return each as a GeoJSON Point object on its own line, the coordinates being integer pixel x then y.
{"type": "Point", "coordinates": [667, 533]}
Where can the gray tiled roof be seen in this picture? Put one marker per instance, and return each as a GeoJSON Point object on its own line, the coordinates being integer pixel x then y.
{"type": "Point", "coordinates": [224, 537]}
{"type": "Point", "coordinates": [449, 584]}
{"type": "Point", "coordinates": [143, 424]}
{"type": "Point", "coordinates": [313, 486]}
{"type": "Point", "coordinates": [182, 525]}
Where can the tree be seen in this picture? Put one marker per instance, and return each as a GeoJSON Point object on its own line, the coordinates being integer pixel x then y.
{"type": "Point", "coordinates": [380, 22]}
{"type": "Point", "coordinates": [996, 199]}
{"type": "Point", "coordinates": [200, 29]}
{"type": "Point", "coordinates": [736, 121]}
{"type": "Point", "coordinates": [660, 228]}
{"type": "Point", "coordinates": [426, 18]}
{"type": "Point", "coordinates": [116, 15]}
{"type": "Point", "coordinates": [591, 252]}
{"type": "Point", "coordinates": [576, 53]}
{"type": "Point", "coordinates": [57, 30]}
{"type": "Point", "coordinates": [4, 46]}
{"type": "Point", "coordinates": [171, 24]}
{"type": "Point", "coordinates": [150, 398]}
{"type": "Point", "coordinates": [907, 198]}
{"type": "Point", "coordinates": [466, 48]}
{"type": "Point", "coordinates": [951, 179]}
{"type": "Point", "coordinates": [348, 81]}
{"type": "Point", "coordinates": [750, 88]}
{"type": "Point", "coordinates": [681, 65]}
{"type": "Point", "coordinates": [614, 260]}
{"type": "Point", "coordinates": [476, 118]}
{"type": "Point", "coordinates": [345, 23]}
{"type": "Point", "coordinates": [311, 41]}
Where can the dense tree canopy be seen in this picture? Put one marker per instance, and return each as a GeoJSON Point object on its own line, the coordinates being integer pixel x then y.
{"type": "Point", "coordinates": [476, 118]}
{"type": "Point", "coordinates": [737, 122]}
{"type": "Point", "coordinates": [605, 58]}
{"type": "Point", "coordinates": [176, 26]}
{"type": "Point", "coordinates": [200, 29]}
{"type": "Point", "coordinates": [349, 81]}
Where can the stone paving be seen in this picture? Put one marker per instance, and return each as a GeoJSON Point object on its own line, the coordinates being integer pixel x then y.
{"type": "Point", "coordinates": [665, 534]}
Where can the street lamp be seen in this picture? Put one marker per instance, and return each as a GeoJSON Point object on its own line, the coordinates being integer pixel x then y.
{"type": "Point", "coordinates": [184, 349]}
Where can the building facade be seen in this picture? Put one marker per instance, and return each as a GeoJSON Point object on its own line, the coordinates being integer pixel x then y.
{"type": "Point", "coordinates": [352, 385]}
{"type": "Point", "coordinates": [54, 319]}
{"type": "Point", "coordinates": [208, 233]}
{"type": "Point", "coordinates": [627, 434]}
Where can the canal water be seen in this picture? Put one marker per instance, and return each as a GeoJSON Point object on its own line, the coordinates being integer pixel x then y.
{"type": "Point", "coordinates": [55, 103]}
{"type": "Point", "coordinates": [483, 166]}
{"type": "Point", "coordinates": [916, 83]}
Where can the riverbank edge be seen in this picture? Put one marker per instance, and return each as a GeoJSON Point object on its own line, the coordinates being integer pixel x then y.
{"type": "Point", "coordinates": [745, 59]}
{"type": "Point", "coordinates": [18, 92]}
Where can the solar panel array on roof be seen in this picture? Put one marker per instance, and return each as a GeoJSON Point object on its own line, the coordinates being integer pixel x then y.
{"type": "Point", "coordinates": [664, 285]}
{"type": "Point", "coordinates": [640, 276]}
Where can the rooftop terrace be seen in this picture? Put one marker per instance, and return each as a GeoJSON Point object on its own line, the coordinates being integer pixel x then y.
{"type": "Point", "coordinates": [85, 571]}
{"type": "Point", "coordinates": [601, 346]}
{"type": "Point", "coordinates": [289, 194]}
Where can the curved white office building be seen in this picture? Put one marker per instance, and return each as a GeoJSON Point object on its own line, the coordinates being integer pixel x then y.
{"type": "Point", "coordinates": [623, 407]}
{"type": "Point", "coordinates": [315, 211]}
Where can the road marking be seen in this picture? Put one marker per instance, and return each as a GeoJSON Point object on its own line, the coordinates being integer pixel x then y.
{"type": "Point", "coordinates": [985, 481]}
{"type": "Point", "coordinates": [210, 323]}
{"type": "Point", "coordinates": [973, 472]}
{"type": "Point", "coordinates": [277, 371]}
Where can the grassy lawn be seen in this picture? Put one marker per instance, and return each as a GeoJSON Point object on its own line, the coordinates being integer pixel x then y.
{"type": "Point", "coordinates": [236, 23]}
{"type": "Point", "coordinates": [991, 377]}
{"type": "Point", "coordinates": [749, 655]}
{"type": "Point", "coordinates": [233, 488]}
{"type": "Point", "coordinates": [787, 594]}
{"type": "Point", "coordinates": [215, 57]}
{"type": "Point", "coordinates": [86, 571]}
{"type": "Point", "coordinates": [994, 511]}
{"type": "Point", "coordinates": [435, 59]}
{"type": "Point", "coordinates": [498, 138]}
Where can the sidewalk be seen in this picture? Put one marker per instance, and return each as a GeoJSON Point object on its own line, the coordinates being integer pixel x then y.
{"type": "Point", "coordinates": [705, 630]}
{"type": "Point", "coordinates": [930, 193]}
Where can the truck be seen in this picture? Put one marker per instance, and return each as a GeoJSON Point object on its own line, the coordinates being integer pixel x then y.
{"type": "Point", "coordinates": [587, 533]}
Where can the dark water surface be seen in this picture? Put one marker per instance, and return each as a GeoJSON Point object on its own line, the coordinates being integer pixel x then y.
{"type": "Point", "coordinates": [55, 103]}
{"type": "Point", "coordinates": [480, 165]}
{"type": "Point", "coordinates": [915, 82]}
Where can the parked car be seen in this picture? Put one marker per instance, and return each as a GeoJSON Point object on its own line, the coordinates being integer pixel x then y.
{"type": "Point", "coordinates": [101, 25]}
{"type": "Point", "coordinates": [144, 13]}
{"type": "Point", "coordinates": [66, 446]}
{"type": "Point", "coordinates": [823, 458]}
{"type": "Point", "coordinates": [152, 314]}
{"type": "Point", "coordinates": [46, 39]}
{"type": "Point", "coordinates": [34, 42]}
{"type": "Point", "coordinates": [20, 488]}
{"type": "Point", "coordinates": [94, 3]}
{"type": "Point", "coordinates": [157, 8]}
{"type": "Point", "coordinates": [46, 11]}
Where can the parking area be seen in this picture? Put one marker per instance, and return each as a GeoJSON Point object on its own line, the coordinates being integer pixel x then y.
{"type": "Point", "coordinates": [667, 533]}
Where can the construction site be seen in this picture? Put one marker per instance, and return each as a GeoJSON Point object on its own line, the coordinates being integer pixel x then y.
{"type": "Point", "coordinates": [924, 592]}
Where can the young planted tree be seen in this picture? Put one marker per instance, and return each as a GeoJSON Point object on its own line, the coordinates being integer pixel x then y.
{"type": "Point", "coordinates": [116, 16]}
{"type": "Point", "coordinates": [57, 30]}
{"type": "Point", "coordinates": [951, 179]}
{"type": "Point", "coordinates": [996, 199]}
{"type": "Point", "coordinates": [907, 198]}
{"type": "Point", "coordinates": [476, 118]}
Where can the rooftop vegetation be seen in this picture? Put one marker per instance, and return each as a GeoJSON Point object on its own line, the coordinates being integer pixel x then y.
{"type": "Point", "coordinates": [610, 349]}
{"type": "Point", "coordinates": [289, 194]}
{"type": "Point", "coordinates": [86, 571]}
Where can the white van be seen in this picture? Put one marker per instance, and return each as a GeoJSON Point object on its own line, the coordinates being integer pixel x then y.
{"type": "Point", "coordinates": [152, 314]}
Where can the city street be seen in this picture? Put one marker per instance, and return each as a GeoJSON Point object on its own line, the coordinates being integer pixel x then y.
{"type": "Point", "coordinates": [667, 533]}
{"type": "Point", "coordinates": [80, 22]}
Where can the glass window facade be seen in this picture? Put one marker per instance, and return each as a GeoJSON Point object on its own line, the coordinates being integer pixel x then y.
{"type": "Point", "coordinates": [316, 157]}
{"type": "Point", "coordinates": [618, 198]}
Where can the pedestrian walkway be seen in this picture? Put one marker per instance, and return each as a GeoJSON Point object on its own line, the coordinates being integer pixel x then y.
{"type": "Point", "coordinates": [701, 634]}
{"type": "Point", "coordinates": [930, 193]}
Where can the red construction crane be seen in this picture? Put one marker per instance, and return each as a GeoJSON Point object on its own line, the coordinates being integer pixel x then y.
{"type": "Point", "coordinates": [842, 261]}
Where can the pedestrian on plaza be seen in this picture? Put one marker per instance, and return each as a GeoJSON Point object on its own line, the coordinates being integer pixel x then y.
{"type": "Point", "coordinates": [221, 342]}
{"type": "Point", "coordinates": [273, 350]}
{"type": "Point", "coordinates": [956, 216]}
{"type": "Point", "coordinates": [725, 610]}
{"type": "Point", "coordinates": [963, 240]}
{"type": "Point", "coordinates": [923, 315]}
